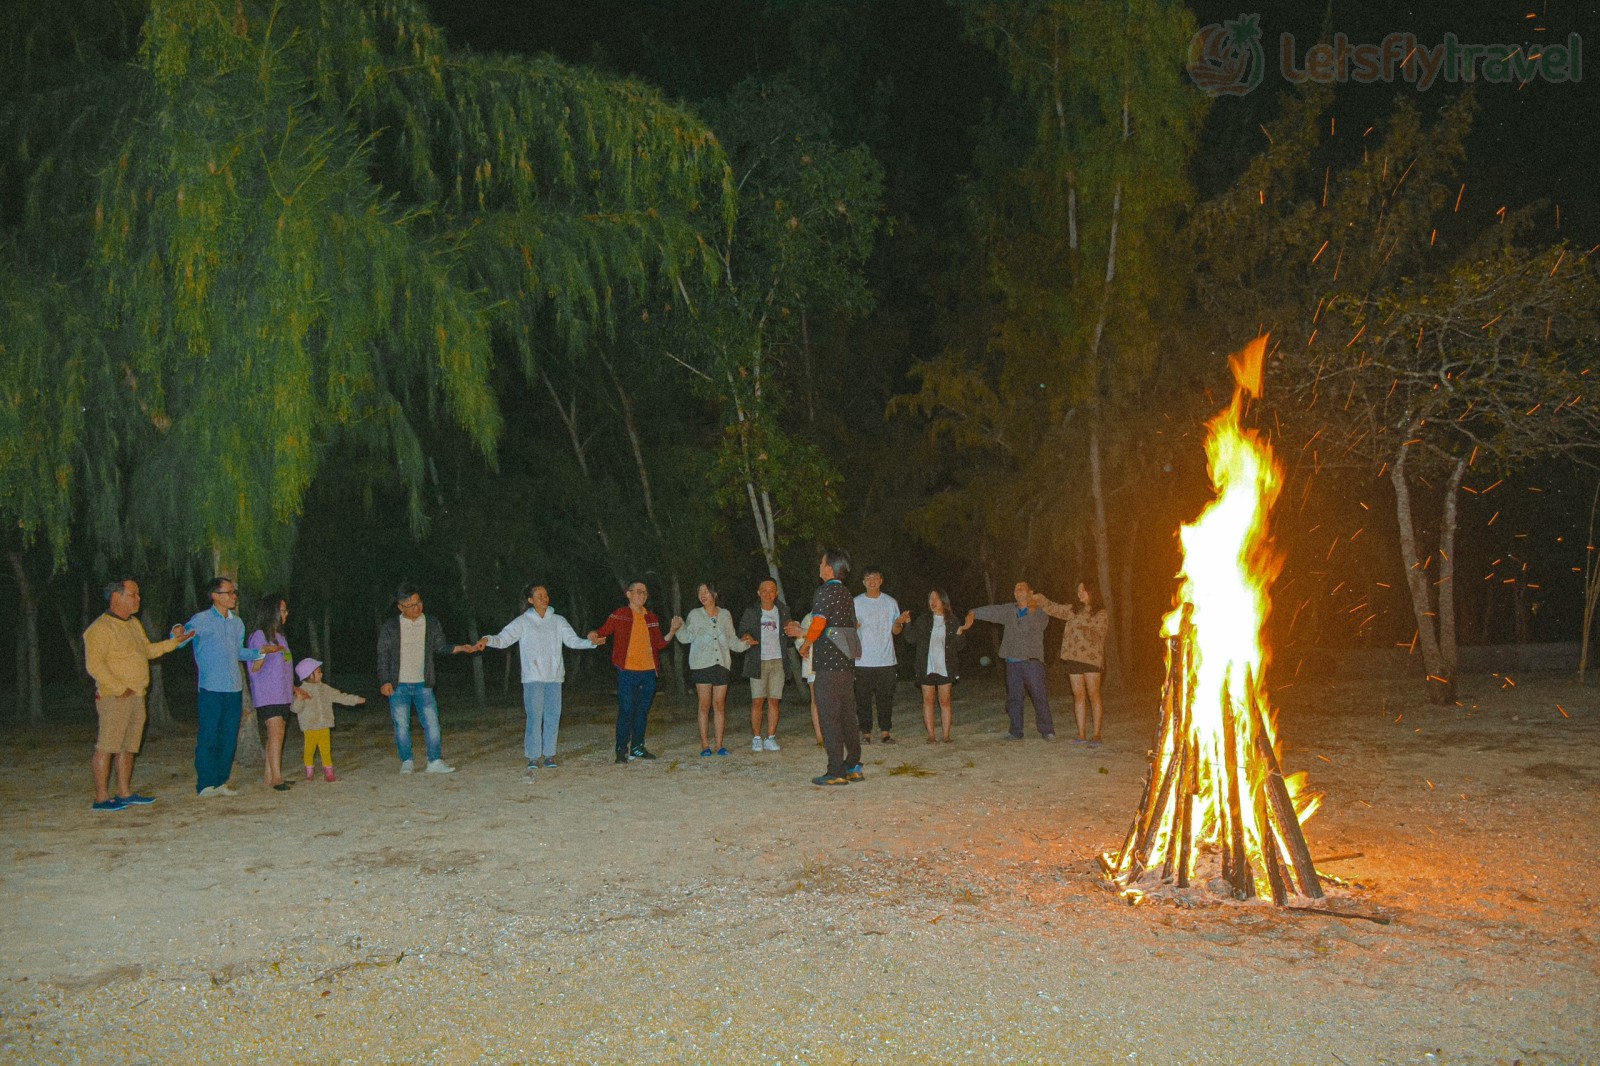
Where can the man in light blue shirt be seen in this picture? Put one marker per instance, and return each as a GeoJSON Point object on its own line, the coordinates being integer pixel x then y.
{"type": "Point", "coordinates": [218, 650]}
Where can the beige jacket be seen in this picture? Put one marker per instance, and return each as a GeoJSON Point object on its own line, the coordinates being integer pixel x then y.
{"type": "Point", "coordinates": [1084, 638]}
{"type": "Point", "coordinates": [317, 712]}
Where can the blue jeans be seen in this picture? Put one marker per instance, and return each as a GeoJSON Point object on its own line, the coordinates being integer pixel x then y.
{"type": "Point", "coordinates": [1028, 676]}
{"type": "Point", "coordinates": [636, 690]}
{"type": "Point", "coordinates": [427, 712]}
{"type": "Point", "coordinates": [542, 701]}
{"type": "Point", "coordinates": [216, 738]}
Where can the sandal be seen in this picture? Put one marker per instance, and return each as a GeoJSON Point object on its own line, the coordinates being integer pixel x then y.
{"type": "Point", "coordinates": [887, 739]}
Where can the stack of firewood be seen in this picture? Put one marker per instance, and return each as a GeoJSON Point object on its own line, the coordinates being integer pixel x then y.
{"type": "Point", "coordinates": [1234, 802]}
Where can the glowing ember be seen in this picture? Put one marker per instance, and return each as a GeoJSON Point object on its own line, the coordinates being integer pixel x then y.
{"type": "Point", "coordinates": [1214, 780]}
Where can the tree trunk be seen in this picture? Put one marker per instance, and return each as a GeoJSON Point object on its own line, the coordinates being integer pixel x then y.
{"type": "Point", "coordinates": [479, 691]}
{"type": "Point", "coordinates": [71, 631]}
{"type": "Point", "coordinates": [580, 451]}
{"type": "Point", "coordinates": [250, 750]}
{"type": "Point", "coordinates": [157, 710]}
{"type": "Point", "coordinates": [1125, 629]}
{"type": "Point", "coordinates": [810, 369]}
{"type": "Point", "coordinates": [1449, 516]}
{"type": "Point", "coordinates": [635, 440]}
{"type": "Point", "coordinates": [1441, 680]}
{"type": "Point", "coordinates": [30, 686]}
{"type": "Point", "coordinates": [1591, 592]}
{"type": "Point", "coordinates": [1102, 548]}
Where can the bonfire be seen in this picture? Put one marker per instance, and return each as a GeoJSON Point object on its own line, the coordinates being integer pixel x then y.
{"type": "Point", "coordinates": [1217, 808]}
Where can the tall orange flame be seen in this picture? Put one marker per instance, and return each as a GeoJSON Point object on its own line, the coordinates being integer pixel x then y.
{"type": "Point", "coordinates": [1216, 743]}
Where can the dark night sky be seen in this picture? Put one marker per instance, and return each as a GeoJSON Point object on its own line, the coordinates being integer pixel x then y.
{"type": "Point", "coordinates": [1538, 141]}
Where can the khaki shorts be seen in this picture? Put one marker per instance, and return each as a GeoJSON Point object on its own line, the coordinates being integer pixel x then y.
{"type": "Point", "coordinates": [121, 723]}
{"type": "Point", "coordinates": [770, 684]}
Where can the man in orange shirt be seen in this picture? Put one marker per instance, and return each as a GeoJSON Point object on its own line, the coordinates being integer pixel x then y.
{"type": "Point", "coordinates": [636, 653]}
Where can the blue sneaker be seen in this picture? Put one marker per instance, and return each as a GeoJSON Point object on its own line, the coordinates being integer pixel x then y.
{"type": "Point", "coordinates": [705, 753]}
{"type": "Point", "coordinates": [136, 800]}
{"type": "Point", "coordinates": [722, 751]}
{"type": "Point", "coordinates": [112, 804]}
{"type": "Point", "coordinates": [854, 774]}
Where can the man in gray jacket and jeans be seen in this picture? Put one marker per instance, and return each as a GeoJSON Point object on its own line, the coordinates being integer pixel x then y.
{"type": "Point", "coordinates": [1022, 648]}
{"type": "Point", "coordinates": [406, 647]}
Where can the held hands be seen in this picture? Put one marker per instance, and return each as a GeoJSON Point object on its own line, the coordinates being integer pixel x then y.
{"type": "Point", "coordinates": [301, 694]}
{"type": "Point", "coordinates": [483, 642]}
{"type": "Point", "coordinates": [467, 649]}
{"type": "Point", "coordinates": [677, 624]}
{"type": "Point", "coordinates": [595, 638]}
{"type": "Point", "coordinates": [749, 641]}
{"type": "Point", "coordinates": [181, 634]}
{"type": "Point", "coordinates": [792, 629]}
{"type": "Point", "coordinates": [965, 625]}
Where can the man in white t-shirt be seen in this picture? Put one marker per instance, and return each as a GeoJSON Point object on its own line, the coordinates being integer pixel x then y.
{"type": "Point", "coordinates": [878, 621]}
{"type": "Point", "coordinates": [761, 629]}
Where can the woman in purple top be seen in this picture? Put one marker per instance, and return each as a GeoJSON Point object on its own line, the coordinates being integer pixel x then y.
{"type": "Point", "coordinates": [272, 687]}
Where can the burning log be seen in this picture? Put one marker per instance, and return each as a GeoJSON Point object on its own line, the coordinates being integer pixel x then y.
{"type": "Point", "coordinates": [1215, 785]}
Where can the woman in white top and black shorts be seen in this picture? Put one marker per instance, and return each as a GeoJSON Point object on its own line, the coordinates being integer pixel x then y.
{"type": "Point", "coordinates": [936, 658]}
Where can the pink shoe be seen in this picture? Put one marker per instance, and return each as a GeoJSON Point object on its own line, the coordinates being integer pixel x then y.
{"type": "Point", "coordinates": [308, 773]}
{"type": "Point", "coordinates": [327, 774]}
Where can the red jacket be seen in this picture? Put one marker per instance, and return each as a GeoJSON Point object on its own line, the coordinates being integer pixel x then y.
{"type": "Point", "coordinates": [620, 626]}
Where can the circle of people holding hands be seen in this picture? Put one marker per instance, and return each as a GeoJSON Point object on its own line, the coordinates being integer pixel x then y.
{"type": "Point", "coordinates": [845, 644]}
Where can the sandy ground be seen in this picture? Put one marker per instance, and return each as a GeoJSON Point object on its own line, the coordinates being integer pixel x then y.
{"type": "Point", "coordinates": [725, 910]}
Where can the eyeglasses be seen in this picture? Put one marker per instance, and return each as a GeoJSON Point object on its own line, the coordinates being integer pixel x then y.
{"type": "Point", "coordinates": [226, 592]}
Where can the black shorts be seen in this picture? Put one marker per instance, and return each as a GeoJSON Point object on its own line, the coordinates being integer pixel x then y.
{"type": "Point", "coordinates": [934, 680]}
{"type": "Point", "coordinates": [1075, 667]}
{"type": "Point", "coordinates": [271, 711]}
{"type": "Point", "coordinates": [711, 675]}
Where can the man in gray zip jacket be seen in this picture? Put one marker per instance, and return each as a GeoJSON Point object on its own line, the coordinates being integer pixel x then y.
{"type": "Point", "coordinates": [1022, 648]}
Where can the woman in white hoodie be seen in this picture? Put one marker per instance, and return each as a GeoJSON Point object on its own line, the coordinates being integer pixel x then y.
{"type": "Point", "coordinates": [540, 633]}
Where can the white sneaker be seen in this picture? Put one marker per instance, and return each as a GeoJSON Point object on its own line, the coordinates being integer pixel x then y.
{"type": "Point", "coordinates": [406, 767]}
{"type": "Point", "coordinates": [209, 791]}
{"type": "Point", "coordinates": [770, 744]}
{"type": "Point", "coordinates": [439, 766]}
{"type": "Point", "coordinates": [224, 790]}
{"type": "Point", "coordinates": [755, 743]}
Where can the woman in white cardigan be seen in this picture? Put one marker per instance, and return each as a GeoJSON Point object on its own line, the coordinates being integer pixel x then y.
{"type": "Point", "coordinates": [709, 633]}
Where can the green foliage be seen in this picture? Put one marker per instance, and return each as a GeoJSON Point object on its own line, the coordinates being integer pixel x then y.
{"type": "Point", "coordinates": [293, 223]}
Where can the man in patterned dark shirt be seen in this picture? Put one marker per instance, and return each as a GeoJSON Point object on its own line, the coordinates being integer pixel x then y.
{"type": "Point", "coordinates": [831, 642]}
